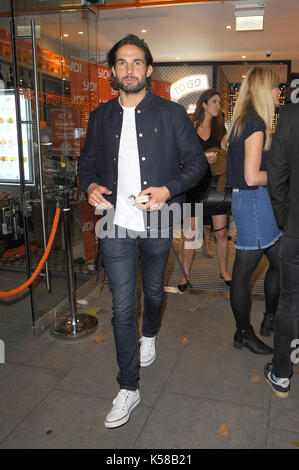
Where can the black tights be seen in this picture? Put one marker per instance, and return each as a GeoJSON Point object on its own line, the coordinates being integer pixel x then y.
{"type": "Point", "coordinates": [245, 264]}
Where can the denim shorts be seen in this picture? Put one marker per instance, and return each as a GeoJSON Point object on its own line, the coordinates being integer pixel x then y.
{"type": "Point", "coordinates": [254, 218]}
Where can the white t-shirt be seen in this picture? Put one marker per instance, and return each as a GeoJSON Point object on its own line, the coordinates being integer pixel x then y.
{"type": "Point", "coordinates": [129, 181]}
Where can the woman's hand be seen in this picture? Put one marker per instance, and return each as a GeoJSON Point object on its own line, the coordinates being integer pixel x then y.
{"type": "Point", "coordinates": [211, 157]}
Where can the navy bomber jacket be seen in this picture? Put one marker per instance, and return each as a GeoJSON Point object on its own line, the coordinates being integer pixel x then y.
{"type": "Point", "coordinates": [170, 153]}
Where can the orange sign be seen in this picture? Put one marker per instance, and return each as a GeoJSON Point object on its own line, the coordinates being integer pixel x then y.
{"type": "Point", "coordinates": [84, 87]}
{"type": "Point", "coordinates": [105, 91]}
{"type": "Point", "coordinates": [5, 44]}
{"type": "Point", "coordinates": [160, 88]}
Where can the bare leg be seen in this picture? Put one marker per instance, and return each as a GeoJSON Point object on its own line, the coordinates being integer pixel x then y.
{"type": "Point", "coordinates": [207, 240]}
{"type": "Point", "coordinates": [219, 224]}
{"type": "Point", "coordinates": [187, 254]}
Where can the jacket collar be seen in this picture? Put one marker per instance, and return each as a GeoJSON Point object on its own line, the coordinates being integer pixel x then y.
{"type": "Point", "coordinates": [142, 105]}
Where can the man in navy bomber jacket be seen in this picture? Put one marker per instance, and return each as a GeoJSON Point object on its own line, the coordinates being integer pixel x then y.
{"type": "Point", "coordinates": [143, 145]}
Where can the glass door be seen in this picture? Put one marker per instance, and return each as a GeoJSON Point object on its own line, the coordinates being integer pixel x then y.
{"type": "Point", "coordinates": [50, 88]}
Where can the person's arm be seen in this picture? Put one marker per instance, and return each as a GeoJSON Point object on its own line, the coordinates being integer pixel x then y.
{"type": "Point", "coordinates": [212, 156]}
{"type": "Point", "coordinates": [224, 142]}
{"type": "Point", "coordinates": [253, 157]}
{"type": "Point", "coordinates": [194, 163]}
{"type": "Point", "coordinates": [87, 170]}
{"type": "Point", "coordinates": [193, 159]}
{"type": "Point", "coordinates": [279, 172]}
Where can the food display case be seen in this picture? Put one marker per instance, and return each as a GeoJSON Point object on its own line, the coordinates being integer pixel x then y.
{"type": "Point", "coordinates": [9, 153]}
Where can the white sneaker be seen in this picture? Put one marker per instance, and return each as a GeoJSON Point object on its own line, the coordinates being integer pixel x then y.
{"type": "Point", "coordinates": [147, 351]}
{"type": "Point", "coordinates": [123, 404]}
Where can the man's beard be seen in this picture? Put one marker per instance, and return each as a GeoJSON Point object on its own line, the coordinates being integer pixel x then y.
{"type": "Point", "coordinates": [131, 89]}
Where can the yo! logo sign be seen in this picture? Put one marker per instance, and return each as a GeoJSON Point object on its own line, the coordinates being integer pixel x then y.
{"type": "Point", "coordinates": [103, 73]}
{"type": "Point", "coordinates": [77, 99]}
{"type": "Point", "coordinates": [89, 86]}
{"type": "Point", "coordinates": [75, 67]}
{"type": "Point", "coordinates": [88, 226]}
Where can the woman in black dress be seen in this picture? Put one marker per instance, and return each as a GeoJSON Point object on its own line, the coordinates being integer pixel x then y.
{"type": "Point", "coordinates": [209, 125]}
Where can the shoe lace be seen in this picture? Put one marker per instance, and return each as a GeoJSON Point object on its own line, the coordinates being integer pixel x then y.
{"type": "Point", "coordinates": [120, 400]}
{"type": "Point", "coordinates": [147, 344]}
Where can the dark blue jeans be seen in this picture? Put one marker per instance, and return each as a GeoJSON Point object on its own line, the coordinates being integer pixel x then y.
{"type": "Point", "coordinates": [287, 315]}
{"type": "Point", "coordinates": [120, 257]}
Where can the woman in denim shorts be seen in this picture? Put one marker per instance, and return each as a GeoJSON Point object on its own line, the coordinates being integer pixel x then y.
{"type": "Point", "coordinates": [249, 140]}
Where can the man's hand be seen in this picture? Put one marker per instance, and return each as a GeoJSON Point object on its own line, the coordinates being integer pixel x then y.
{"type": "Point", "coordinates": [158, 197]}
{"type": "Point", "coordinates": [95, 197]}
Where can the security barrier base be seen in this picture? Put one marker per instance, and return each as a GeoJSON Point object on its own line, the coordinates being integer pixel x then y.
{"type": "Point", "coordinates": [84, 324]}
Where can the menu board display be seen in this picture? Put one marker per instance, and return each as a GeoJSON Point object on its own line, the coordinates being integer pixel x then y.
{"type": "Point", "coordinates": [66, 131]}
{"type": "Point", "coordinates": [9, 153]}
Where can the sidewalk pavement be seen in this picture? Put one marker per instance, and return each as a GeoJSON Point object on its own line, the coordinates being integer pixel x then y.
{"type": "Point", "coordinates": [200, 393]}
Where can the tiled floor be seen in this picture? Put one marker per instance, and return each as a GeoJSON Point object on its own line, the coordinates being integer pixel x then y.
{"type": "Point", "coordinates": [199, 393]}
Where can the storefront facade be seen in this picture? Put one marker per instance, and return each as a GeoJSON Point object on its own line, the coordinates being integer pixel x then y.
{"type": "Point", "coordinates": [44, 113]}
{"type": "Point", "coordinates": [50, 82]}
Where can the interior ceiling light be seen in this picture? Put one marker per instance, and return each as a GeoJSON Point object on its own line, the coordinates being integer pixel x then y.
{"type": "Point", "coordinates": [66, 35]}
{"type": "Point", "coordinates": [228, 27]}
{"type": "Point", "coordinates": [143, 30]}
{"type": "Point", "coordinates": [80, 32]}
{"type": "Point", "coordinates": [250, 16]}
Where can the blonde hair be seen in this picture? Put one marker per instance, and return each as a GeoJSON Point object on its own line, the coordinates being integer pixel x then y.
{"type": "Point", "coordinates": [255, 96]}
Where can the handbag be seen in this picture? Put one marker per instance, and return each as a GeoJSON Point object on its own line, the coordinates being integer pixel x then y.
{"type": "Point", "coordinates": [214, 198]}
{"type": "Point", "coordinates": [218, 193]}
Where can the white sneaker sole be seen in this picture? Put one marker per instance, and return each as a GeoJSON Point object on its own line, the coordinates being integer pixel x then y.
{"type": "Point", "coordinates": [123, 420]}
{"type": "Point", "coordinates": [148, 363]}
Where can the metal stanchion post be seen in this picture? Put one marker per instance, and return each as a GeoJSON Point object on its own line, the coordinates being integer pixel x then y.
{"type": "Point", "coordinates": [74, 325]}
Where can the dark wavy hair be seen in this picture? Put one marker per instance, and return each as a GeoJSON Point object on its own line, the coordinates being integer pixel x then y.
{"type": "Point", "coordinates": [131, 40]}
{"type": "Point", "coordinates": [198, 116]}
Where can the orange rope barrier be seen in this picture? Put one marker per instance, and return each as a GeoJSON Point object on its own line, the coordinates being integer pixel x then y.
{"type": "Point", "coordinates": [40, 264]}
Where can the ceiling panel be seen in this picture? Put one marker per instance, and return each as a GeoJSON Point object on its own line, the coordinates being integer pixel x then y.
{"type": "Point", "coordinates": [197, 32]}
